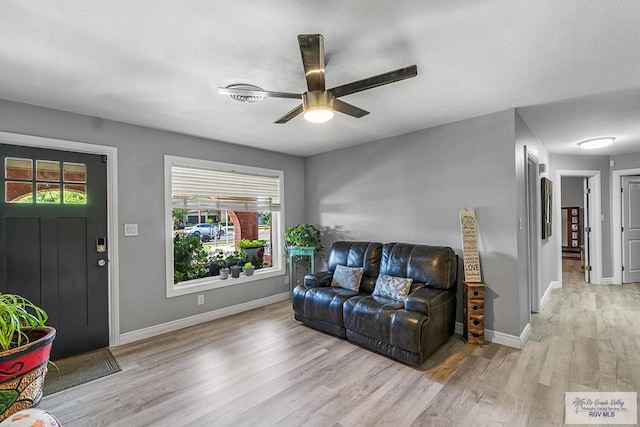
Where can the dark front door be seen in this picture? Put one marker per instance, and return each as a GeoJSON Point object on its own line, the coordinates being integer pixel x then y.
{"type": "Point", "coordinates": [53, 229]}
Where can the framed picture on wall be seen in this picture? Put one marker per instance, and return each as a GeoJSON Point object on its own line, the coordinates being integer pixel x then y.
{"type": "Point", "coordinates": [547, 198]}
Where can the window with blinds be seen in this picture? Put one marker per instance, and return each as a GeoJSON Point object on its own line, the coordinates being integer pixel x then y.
{"type": "Point", "coordinates": [200, 188]}
{"type": "Point", "coordinates": [213, 207]}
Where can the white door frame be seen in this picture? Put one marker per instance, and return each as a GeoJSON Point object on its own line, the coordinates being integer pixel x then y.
{"type": "Point", "coordinates": [616, 220]}
{"type": "Point", "coordinates": [112, 209]}
{"type": "Point", "coordinates": [595, 216]}
{"type": "Point", "coordinates": [533, 232]}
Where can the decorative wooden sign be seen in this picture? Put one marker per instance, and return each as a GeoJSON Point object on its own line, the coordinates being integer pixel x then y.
{"type": "Point", "coordinates": [470, 256]}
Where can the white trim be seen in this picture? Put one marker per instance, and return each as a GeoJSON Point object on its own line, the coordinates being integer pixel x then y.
{"type": "Point", "coordinates": [547, 293]}
{"type": "Point", "coordinates": [595, 216]}
{"type": "Point", "coordinates": [616, 221]}
{"type": "Point", "coordinates": [208, 283]}
{"type": "Point", "coordinates": [608, 281]}
{"type": "Point", "coordinates": [152, 331]}
{"type": "Point", "coordinates": [112, 209]}
{"type": "Point", "coordinates": [502, 338]}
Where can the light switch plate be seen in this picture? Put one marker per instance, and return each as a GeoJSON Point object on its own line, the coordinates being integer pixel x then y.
{"type": "Point", "coordinates": [130, 230]}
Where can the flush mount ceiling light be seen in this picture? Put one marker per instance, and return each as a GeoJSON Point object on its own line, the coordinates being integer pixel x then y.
{"type": "Point", "coordinates": [250, 93]}
{"type": "Point", "coordinates": [592, 144]}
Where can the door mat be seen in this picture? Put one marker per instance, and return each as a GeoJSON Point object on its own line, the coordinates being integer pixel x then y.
{"type": "Point", "coordinates": [75, 370]}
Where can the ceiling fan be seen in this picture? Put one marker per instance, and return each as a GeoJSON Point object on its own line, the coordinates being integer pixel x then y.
{"type": "Point", "coordinates": [318, 103]}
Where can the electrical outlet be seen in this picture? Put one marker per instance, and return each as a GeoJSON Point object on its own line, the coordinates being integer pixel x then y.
{"type": "Point", "coordinates": [200, 299]}
{"type": "Point", "coordinates": [286, 280]}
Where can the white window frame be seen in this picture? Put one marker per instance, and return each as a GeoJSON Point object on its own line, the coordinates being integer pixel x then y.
{"type": "Point", "coordinates": [208, 283]}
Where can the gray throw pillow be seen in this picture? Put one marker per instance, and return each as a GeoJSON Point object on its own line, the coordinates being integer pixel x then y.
{"type": "Point", "coordinates": [395, 288]}
{"type": "Point", "coordinates": [347, 277]}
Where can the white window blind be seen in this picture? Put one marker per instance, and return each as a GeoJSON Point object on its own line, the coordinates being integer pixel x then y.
{"type": "Point", "coordinates": [201, 188]}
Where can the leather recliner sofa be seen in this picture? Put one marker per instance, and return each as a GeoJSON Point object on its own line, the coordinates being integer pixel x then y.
{"type": "Point", "coordinates": [407, 330]}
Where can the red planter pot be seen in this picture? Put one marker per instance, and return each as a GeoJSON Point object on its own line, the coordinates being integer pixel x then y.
{"type": "Point", "coordinates": [22, 372]}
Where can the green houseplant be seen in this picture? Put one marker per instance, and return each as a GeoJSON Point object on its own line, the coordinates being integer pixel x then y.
{"type": "Point", "coordinates": [189, 258]}
{"type": "Point", "coordinates": [254, 250]}
{"type": "Point", "coordinates": [304, 235]}
{"type": "Point", "coordinates": [248, 269]}
{"type": "Point", "coordinates": [25, 345]}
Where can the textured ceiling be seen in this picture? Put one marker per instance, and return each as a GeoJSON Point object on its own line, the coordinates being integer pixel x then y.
{"type": "Point", "coordinates": [574, 64]}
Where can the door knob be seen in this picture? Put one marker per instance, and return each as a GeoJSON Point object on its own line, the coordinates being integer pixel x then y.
{"type": "Point", "coordinates": [102, 263]}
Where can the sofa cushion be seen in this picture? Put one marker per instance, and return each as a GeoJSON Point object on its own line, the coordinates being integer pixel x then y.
{"type": "Point", "coordinates": [347, 277]}
{"type": "Point", "coordinates": [435, 266]}
{"type": "Point", "coordinates": [385, 320]}
{"type": "Point", "coordinates": [395, 288]}
{"type": "Point", "coordinates": [357, 254]}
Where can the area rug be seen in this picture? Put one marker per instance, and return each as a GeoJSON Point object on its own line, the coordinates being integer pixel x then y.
{"type": "Point", "coordinates": [80, 369]}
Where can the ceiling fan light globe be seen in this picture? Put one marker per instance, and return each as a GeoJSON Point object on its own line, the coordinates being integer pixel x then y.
{"type": "Point", "coordinates": [318, 115]}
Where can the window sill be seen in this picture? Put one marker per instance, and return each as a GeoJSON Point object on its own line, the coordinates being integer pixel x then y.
{"type": "Point", "coordinates": [209, 283]}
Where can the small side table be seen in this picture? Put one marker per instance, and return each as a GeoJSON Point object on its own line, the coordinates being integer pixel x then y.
{"type": "Point", "coordinates": [473, 313]}
{"type": "Point", "coordinates": [296, 251]}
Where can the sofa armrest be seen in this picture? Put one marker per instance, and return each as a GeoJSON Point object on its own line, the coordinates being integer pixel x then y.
{"type": "Point", "coordinates": [425, 299]}
{"type": "Point", "coordinates": [317, 280]}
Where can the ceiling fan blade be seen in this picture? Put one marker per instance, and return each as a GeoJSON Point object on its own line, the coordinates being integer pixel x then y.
{"type": "Point", "coordinates": [263, 93]}
{"type": "Point", "coordinates": [290, 115]}
{"type": "Point", "coordinates": [375, 81]}
{"type": "Point", "coordinates": [348, 109]}
{"type": "Point", "coordinates": [312, 51]}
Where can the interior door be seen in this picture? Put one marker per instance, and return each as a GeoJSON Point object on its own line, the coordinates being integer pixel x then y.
{"type": "Point", "coordinates": [586, 224]}
{"type": "Point", "coordinates": [630, 229]}
{"type": "Point", "coordinates": [53, 249]}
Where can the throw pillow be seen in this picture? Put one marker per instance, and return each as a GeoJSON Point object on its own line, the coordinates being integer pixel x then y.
{"type": "Point", "coordinates": [347, 277]}
{"type": "Point", "coordinates": [396, 288]}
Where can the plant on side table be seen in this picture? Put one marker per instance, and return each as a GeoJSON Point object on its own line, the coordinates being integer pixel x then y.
{"type": "Point", "coordinates": [25, 345]}
{"type": "Point", "coordinates": [305, 236]}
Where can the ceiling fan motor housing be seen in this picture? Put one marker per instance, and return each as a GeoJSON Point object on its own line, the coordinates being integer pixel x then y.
{"type": "Point", "coordinates": [317, 99]}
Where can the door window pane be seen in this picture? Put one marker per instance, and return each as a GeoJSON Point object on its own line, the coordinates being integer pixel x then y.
{"type": "Point", "coordinates": [47, 170]}
{"type": "Point", "coordinates": [18, 192]}
{"type": "Point", "coordinates": [47, 192]}
{"type": "Point", "coordinates": [18, 168]}
{"type": "Point", "coordinates": [74, 172]}
{"type": "Point", "coordinates": [75, 194]}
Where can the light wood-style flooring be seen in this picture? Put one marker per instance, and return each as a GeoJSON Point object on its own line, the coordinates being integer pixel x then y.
{"type": "Point", "coordinates": [261, 368]}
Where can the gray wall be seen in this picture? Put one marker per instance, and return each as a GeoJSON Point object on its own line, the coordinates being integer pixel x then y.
{"type": "Point", "coordinates": [527, 144]}
{"type": "Point", "coordinates": [600, 163]}
{"type": "Point", "coordinates": [572, 191]}
{"type": "Point", "coordinates": [143, 301]}
{"type": "Point", "coordinates": [411, 188]}
{"type": "Point", "coordinates": [626, 161]}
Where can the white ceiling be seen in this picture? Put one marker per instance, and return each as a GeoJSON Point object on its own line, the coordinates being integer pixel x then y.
{"type": "Point", "coordinates": [158, 63]}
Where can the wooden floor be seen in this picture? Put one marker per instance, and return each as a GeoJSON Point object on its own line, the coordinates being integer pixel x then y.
{"type": "Point", "coordinates": [262, 368]}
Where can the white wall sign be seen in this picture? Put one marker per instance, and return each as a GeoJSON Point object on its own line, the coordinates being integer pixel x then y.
{"type": "Point", "coordinates": [472, 273]}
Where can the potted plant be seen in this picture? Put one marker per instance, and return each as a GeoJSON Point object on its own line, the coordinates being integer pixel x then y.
{"type": "Point", "coordinates": [217, 261]}
{"type": "Point", "coordinates": [234, 261]}
{"type": "Point", "coordinates": [254, 250]}
{"type": "Point", "coordinates": [25, 344]}
{"type": "Point", "coordinates": [248, 269]}
{"type": "Point", "coordinates": [304, 236]}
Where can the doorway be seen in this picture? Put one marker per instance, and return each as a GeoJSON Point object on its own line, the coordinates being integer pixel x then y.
{"type": "Point", "coordinates": [589, 232]}
{"type": "Point", "coordinates": [110, 308]}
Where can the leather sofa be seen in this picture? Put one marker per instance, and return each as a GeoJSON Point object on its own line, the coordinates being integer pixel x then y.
{"type": "Point", "coordinates": [407, 330]}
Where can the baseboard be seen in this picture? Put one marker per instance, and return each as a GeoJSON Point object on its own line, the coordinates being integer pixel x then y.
{"type": "Point", "coordinates": [547, 293]}
{"type": "Point", "coordinates": [502, 338]}
{"type": "Point", "coordinates": [607, 281]}
{"type": "Point", "coordinates": [163, 328]}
